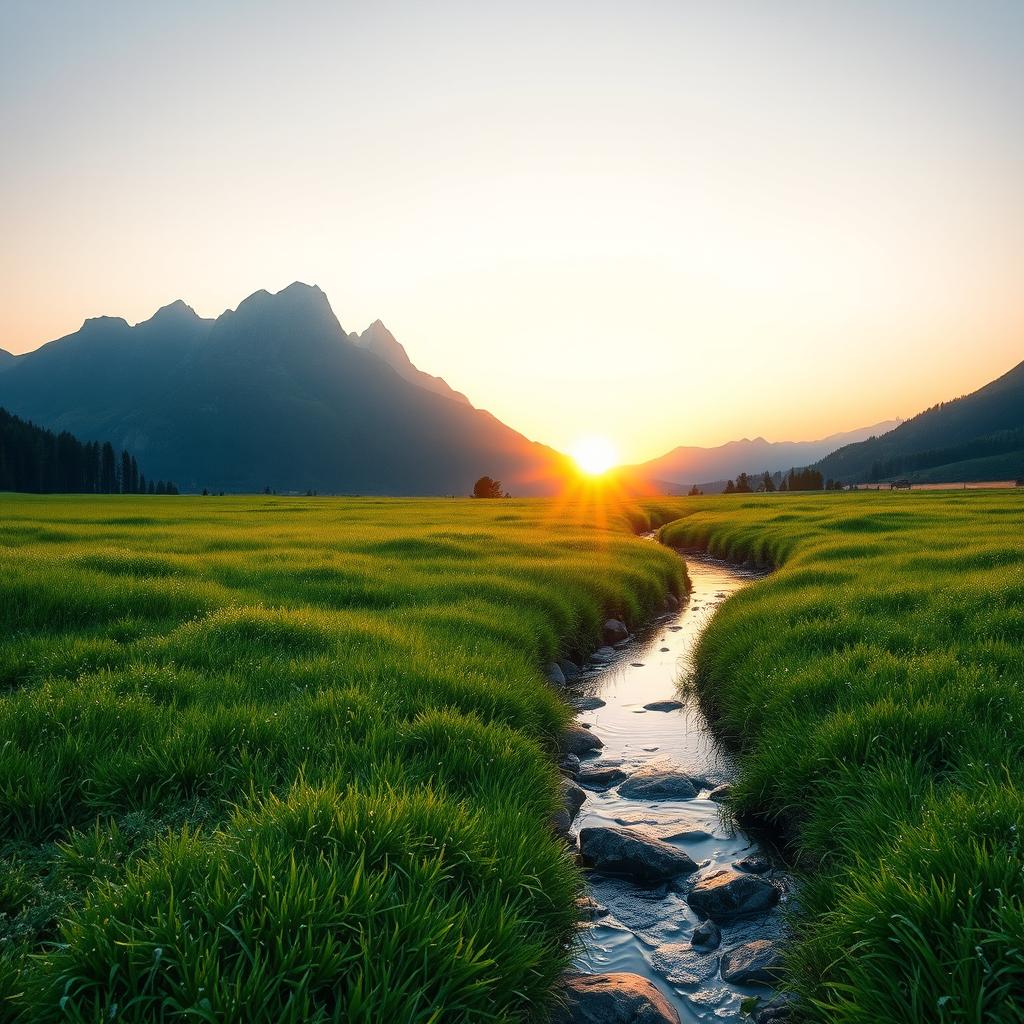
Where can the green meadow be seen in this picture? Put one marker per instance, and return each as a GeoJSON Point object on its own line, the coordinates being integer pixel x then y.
{"type": "Point", "coordinates": [291, 759]}
{"type": "Point", "coordinates": [875, 686]}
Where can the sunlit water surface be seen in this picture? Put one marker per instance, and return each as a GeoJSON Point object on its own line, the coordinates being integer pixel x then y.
{"type": "Point", "coordinates": [644, 929]}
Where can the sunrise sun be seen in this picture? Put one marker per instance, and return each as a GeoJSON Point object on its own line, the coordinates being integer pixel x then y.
{"type": "Point", "coordinates": [594, 455]}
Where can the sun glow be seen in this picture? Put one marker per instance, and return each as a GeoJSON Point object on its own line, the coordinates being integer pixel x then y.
{"type": "Point", "coordinates": [594, 455]}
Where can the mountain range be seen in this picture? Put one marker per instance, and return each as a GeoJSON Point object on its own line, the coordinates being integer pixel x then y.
{"type": "Point", "coordinates": [274, 393]}
{"type": "Point", "coordinates": [687, 465]}
{"type": "Point", "coordinates": [979, 436]}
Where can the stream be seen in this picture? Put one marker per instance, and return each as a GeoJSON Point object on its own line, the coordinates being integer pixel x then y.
{"type": "Point", "coordinates": [647, 929]}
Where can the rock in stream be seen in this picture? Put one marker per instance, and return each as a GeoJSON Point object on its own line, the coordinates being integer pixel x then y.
{"type": "Point", "coordinates": [613, 999]}
{"type": "Point", "coordinates": [623, 851]}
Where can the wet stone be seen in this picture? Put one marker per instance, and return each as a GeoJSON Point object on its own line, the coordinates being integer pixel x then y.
{"type": "Point", "coordinates": [554, 675]}
{"type": "Point", "coordinates": [753, 963]}
{"type": "Point", "coordinates": [569, 668]}
{"type": "Point", "coordinates": [614, 631]}
{"type": "Point", "coordinates": [589, 909]}
{"type": "Point", "coordinates": [707, 935]}
{"type": "Point", "coordinates": [755, 864]}
{"type": "Point", "coordinates": [587, 703]}
{"type": "Point", "coordinates": [658, 782]}
{"type": "Point", "coordinates": [600, 776]}
{"type": "Point", "coordinates": [572, 800]}
{"type": "Point", "coordinates": [721, 793]}
{"type": "Point", "coordinates": [622, 851]}
{"type": "Point", "coordinates": [780, 1007]}
{"type": "Point", "coordinates": [726, 894]}
{"type": "Point", "coordinates": [683, 965]}
{"type": "Point", "coordinates": [613, 999]}
{"type": "Point", "coordinates": [579, 741]}
{"type": "Point", "coordinates": [603, 655]}
{"type": "Point", "coordinates": [663, 705]}
{"type": "Point", "coordinates": [569, 764]}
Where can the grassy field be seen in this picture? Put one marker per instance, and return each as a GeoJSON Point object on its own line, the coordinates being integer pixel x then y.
{"type": "Point", "coordinates": [289, 760]}
{"type": "Point", "coordinates": [280, 759]}
{"type": "Point", "coordinates": [875, 684]}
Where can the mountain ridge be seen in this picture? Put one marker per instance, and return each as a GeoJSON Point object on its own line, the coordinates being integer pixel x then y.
{"type": "Point", "coordinates": [986, 413]}
{"type": "Point", "coordinates": [686, 465]}
{"type": "Point", "coordinates": [272, 393]}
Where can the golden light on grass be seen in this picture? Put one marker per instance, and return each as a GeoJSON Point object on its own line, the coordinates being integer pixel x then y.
{"type": "Point", "coordinates": [594, 455]}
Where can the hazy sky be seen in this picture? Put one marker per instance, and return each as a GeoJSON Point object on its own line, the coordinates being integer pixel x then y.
{"type": "Point", "coordinates": [665, 222]}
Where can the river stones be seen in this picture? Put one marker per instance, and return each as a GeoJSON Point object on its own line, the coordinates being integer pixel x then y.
{"type": "Point", "coordinates": [572, 800]}
{"type": "Point", "coordinates": [600, 776]}
{"type": "Point", "coordinates": [554, 675]}
{"type": "Point", "coordinates": [572, 796]}
{"type": "Point", "coordinates": [613, 999]}
{"type": "Point", "coordinates": [603, 655]}
{"type": "Point", "coordinates": [579, 741]}
{"type": "Point", "coordinates": [726, 894]}
{"type": "Point", "coordinates": [682, 965]}
{"type": "Point", "coordinates": [663, 705]}
{"type": "Point", "coordinates": [622, 851]}
{"type": "Point", "coordinates": [658, 782]}
{"type": "Point", "coordinates": [587, 703]}
{"type": "Point", "coordinates": [614, 631]}
{"type": "Point", "coordinates": [589, 909]}
{"type": "Point", "coordinates": [753, 963]}
{"type": "Point", "coordinates": [780, 1007]}
{"type": "Point", "coordinates": [569, 668]}
{"type": "Point", "coordinates": [569, 764]}
{"type": "Point", "coordinates": [755, 864]}
{"type": "Point", "coordinates": [707, 935]}
{"type": "Point", "coordinates": [720, 794]}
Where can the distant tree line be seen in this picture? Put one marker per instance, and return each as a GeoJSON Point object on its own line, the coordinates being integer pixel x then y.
{"type": "Point", "coordinates": [794, 480]}
{"type": "Point", "coordinates": [41, 462]}
{"type": "Point", "coordinates": [999, 443]}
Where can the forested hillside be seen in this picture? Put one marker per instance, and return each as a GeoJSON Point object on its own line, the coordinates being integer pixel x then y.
{"type": "Point", "coordinates": [42, 462]}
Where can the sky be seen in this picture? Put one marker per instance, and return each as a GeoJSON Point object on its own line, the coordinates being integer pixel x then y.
{"type": "Point", "coordinates": [661, 222]}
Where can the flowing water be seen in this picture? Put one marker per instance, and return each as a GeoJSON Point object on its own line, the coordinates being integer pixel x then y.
{"type": "Point", "coordinates": [647, 930]}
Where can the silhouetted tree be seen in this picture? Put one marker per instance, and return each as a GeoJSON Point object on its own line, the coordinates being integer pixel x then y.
{"type": "Point", "coordinates": [485, 487]}
{"type": "Point", "coordinates": [108, 469]}
{"type": "Point", "coordinates": [743, 484]}
{"type": "Point", "coordinates": [805, 480]}
{"type": "Point", "coordinates": [125, 479]}
{"type": "Point", "coordinates": [767, 483]}
{"type": "Point", "coordinates": [694, 491]}
{"type": "Point", "coordinates": [730, 487]}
